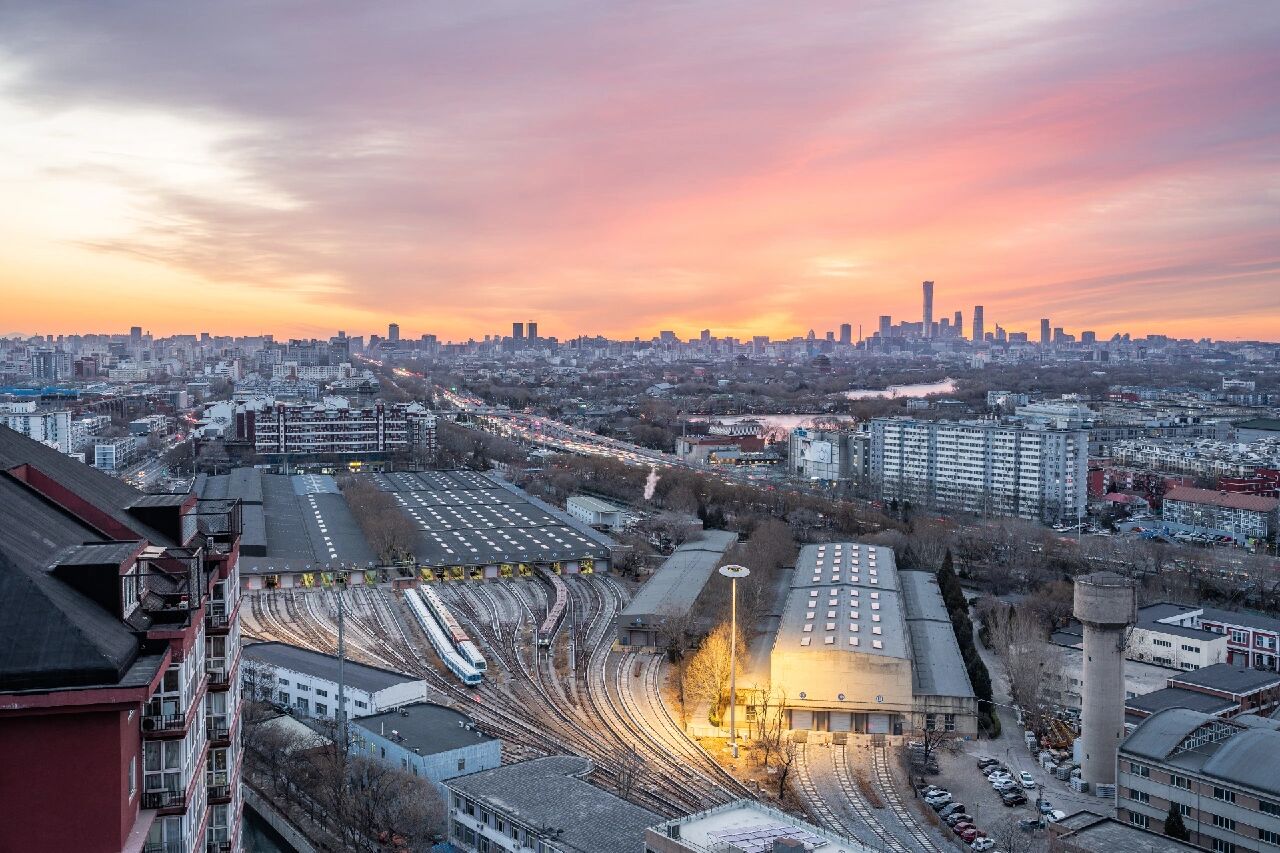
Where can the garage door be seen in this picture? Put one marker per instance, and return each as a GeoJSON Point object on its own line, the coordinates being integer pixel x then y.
{"type": "Point", "coordinates": [802, 720]}
{"type": "Point", "coordinates": [841, 721]}
{"type": "Point", "coordinates": [878, 724]}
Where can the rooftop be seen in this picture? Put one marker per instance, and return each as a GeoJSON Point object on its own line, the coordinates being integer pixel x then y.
{"type": "Point", "coordinates": [594, 504]}
{"type": "Point", "coordinates": [426, 728]}
{"type": "Point", "coordinates": [1178, 697]}
{"type": "Point", "coordinates": [360, 676]}
{"type": "Point", "coordinates": [677, 584]}
{"type": "Point", "coordinates": [1240, 755]}
{"type": "Point", "coordinates": [1228, 678]}
{"type": "Point", "coordinates": [1227, 500]}
{"type": "Point", "coordinates": [751, 827]}
{"type": "Point", "coordinates": [939, 668]}
{"type": "Point", "coordinates": [536, 792]}
{"type": "Point", "coordinates": [1093, 832]}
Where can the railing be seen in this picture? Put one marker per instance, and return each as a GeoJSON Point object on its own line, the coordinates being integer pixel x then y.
{"type": "Point", "coordinates": [163, 799]}
{"type": "Point", "coordinates": [218, 616]}
{"type": "Point", "coordinates": [164, 847]}
{"type": "Point", "coordinates": [217, 677]}
{"type": "Point", "coordinates": [217, 847]}
{"type": "Point", "coordinates": [218, 728]}
{"type": "Point", "coordinates": [152, 723]}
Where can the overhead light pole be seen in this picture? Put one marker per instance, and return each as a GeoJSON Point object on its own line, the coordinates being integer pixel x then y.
{"type": "Point", "coordinates": [733, 573]}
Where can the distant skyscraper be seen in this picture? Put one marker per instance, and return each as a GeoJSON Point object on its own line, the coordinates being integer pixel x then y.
{"type": "Point", "coordinates": [846, 333]}
{"type": "Point", "coordinates": [393, 332]}
{"type": "Point", "coordinates": [886, 325]}
{"type": "Point", "coordinates": [135, 334]}
{"type": "Point", "coordinates": [1088, 337]}
{"type": "Point", "coordinates": [978, 331]}
{"type": "Point", "coordinates": [1044, 332]}
{"type": "Point", "coordinates": [927, 331]}
{"type": "Point", "coordinates": [517, 331]}
{"type": "Point", "coordinates": [705, 337]}
{"type": "Point", "coordinates": [533, 330]}
{"type": "Point", "coordinates": [958, 324]}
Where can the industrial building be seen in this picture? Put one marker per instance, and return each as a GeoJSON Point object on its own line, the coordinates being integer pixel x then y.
{"type": "Point", "coordinates": [983, 467]}
{"type": "Point", "coordinates": [334, 427]}
{"type": "Point", "coordinates": [476, 525]}
{"type": "Point", "coordinates": [119, 729]}
{"type": "Point", "coordinates": [829, 455]}
{"type": "Point", "coordinates": [595, 512]}
{"type": "Point", "coordinates": [1220, 774]}
{"type": "Point", "coordinates": [1162, 636]}
{"type": "Point", "coordinates": [1087, 832]}
{"type": "Point", "coordinates": [673, 589]}
{"type": "Point", "coordinates": [745, 825]}
{"type": "Point", "coordinates": [863, 647]}
{"type": "Point", "coordinates": [543, 804]}
{"type": "Point", "coordinates": [431, 741]}
{"type": "Point", "coordinates": [307, 682]}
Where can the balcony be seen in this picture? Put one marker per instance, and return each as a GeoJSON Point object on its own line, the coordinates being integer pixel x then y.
{"type": "Point", "coordinates": [164, 847]}
{"type": "Point", "coordinates": [219, 730]}
{"type": "Point", "coordinates": [164, 799]}
{"type": "Point", "coordinates": [217, 847]}
{"type": "Point", "coordinates": [172, 584]}
{"type": "Point", "coordinates": [218, 617]}
{"type": "Point", "coordinates": [220, 522]}
{"type": "Point", "coordinates": [219, 785]}
{"type": "Point", "coordinates": [160, 724]}
{"type": "Point", "coordinates": [218, 678]}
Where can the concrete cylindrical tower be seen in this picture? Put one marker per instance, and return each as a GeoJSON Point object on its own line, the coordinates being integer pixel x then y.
{"type": "Point", "coordinates": [1105, 603]}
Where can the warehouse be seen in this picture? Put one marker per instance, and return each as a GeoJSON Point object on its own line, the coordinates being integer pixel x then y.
{"type": "Point", "coordinates": [477, 526]}
{"type": "Point", "coordinates": [863, 648]}
{"type": "Point", "coordinates": [307, 681]}
{"type": "Point", "coordinates": [673, 589]}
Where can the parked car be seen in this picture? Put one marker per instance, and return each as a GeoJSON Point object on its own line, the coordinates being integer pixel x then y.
{"type": "Point", "coordinates": [958, 818]}
{"type": "Point", "coordinates": [938, 800]}
{"type": "Point", "coordinates": [982, 844]}
{"type": "Point", "coordinates": [986, 761]}
{"type": "Point", "coordinates": [1003, 785]}
{"type": "Point", "coordinates": [963, 826]}
{"type": "Point", "coordinates": [950, 809]}
{"type": "Point", "coordinates": [1055, 815]}
{"type": "Point", "coordinates": [1045, 807]}
{"type": "Point", "coordinates": [1031, 824]}
{"type": "Point", "coordinates": [968, 835]}
{"type": "Point", "coordinates": [1028, 781]}
{"type": "Point", "coordinates": [998, 774]}
{"type": "Point", "coordinates": [1013, 798]}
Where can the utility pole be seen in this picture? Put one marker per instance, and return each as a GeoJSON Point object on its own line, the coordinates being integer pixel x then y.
{"type": "Point", "coordinates": [733, 573]}
{"type": "Point", "coordinates": [342, 683]}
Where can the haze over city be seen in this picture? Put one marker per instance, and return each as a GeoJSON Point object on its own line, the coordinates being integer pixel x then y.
{"type": "Point", "coordinates": [618, 170]}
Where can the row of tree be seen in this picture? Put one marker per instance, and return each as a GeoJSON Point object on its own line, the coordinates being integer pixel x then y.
{"type": "Point", "coordinates": [958, 610]}
{"type": "Point", "coordinates": [389, 532]}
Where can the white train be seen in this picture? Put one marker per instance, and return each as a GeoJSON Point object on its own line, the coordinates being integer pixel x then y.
{"type": "Point", "coordinates": [461, 642]}
{"type": "Point", "coordinates": [441, 641]}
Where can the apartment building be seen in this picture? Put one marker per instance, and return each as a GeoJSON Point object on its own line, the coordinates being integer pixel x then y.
{"type": "Point", "coordinates": [984, 467]}
{"type": "Point", "coordinates": [1251, 638]}
{"type": "Point", "coordinates": [118, 727]}
{"type": "Point", "coordinates": [828, 455]}
{"type": "Point", "coordinates": [1219, 774]}
{"type": "Point", "coordinates": [52, 427]}
{"type": "Point", "coordinates": [335, 427]}
{"type": "Point", "coordinates": [1234, 515]}
{"type": "Point", "coordinates": [1203, 457]}
{"type": "Point", "coordinates": [307, 682]}
{"type": "Point", "coordinates": [113, 454]}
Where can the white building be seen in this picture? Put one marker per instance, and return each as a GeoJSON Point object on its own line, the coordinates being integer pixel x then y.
{"type": "Point", "coordinates": [112, 454]}
{"type": "Point", "coordinates": [335, 427]}
{"type": "Point", "coordinates": [595, 512]}
{"type": "Point", "coordinates": [985, 467]}
{"type": "Point", "coordinates": [826, 454]}
{"type": "Point", "coordinates": [51, 427]}
{"type": "Point", "coordinates": [307, 682]}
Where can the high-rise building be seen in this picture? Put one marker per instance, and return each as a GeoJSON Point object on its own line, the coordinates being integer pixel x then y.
{"type": "Point", "coordinates": [533, 330]}
{"type": "Point", "coordinates": [135, 334]}
{"type": "Point", "coordinates": [393, 332]}
{"type": "Point", "coordinates": [121, 659]}
{"type": "Point", "coordinates": [846, 333]}
{"type": "Point", "coordinates": [1088, 337]}
{"type": "Point", "coordinates": [1044, 332]}
{"type": "Point", "coordinates": [978, 332]}
{"type": "Point", "coordinates": [927, 331]}
{"type": "Point", "coordinates": [1024, 471]}
{"type": "Point", "coordinates": [958, 324]}
{"type": "Point", "coordinates": [517, 331]}
{"type": "Point", "coordinates": [886, 325]}
{"type": "Point", "coordinates": [705, 336]}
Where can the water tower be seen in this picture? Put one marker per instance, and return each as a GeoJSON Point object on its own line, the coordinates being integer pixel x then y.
{"type": "Point", "coordinates": [1105, 603]}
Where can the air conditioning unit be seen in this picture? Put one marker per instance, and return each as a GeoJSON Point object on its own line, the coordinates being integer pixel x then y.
{"type": "Point", "coordinates": [148, 724]}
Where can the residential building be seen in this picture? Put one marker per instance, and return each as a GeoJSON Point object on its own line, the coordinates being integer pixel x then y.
{"type": "Point", "coordinates": [985, 467]}
{"type": "Point", "coordinates": [335, 427]}
{"type": "Point", "coordinates": [1086, 832]}
{"type": "Point", "coordinates": [543, 804]}
{"type": "Point", "coordinates": [118, 727]}
{"type": "Point", "coordinates": [307, 682]}
{"type": "Point", "coordinates": [1235, 515]}
{"type": "Point", "coordinates": [1209, 458]}
{"type": "Point", "coordinates": [829, 455]}
{"type": "Point", "coordinates": [1219, 774]}
{"type": "Point", "coordinates": [431, 741]}
{"type": "Point", "coordinates": [1164, 637]}
{"type": "Point", "coordinates": [113, 454]}
{"type": "Point", "coordinates": [52, 427]}
{"type": "Point", "coordinates": [732, 825]}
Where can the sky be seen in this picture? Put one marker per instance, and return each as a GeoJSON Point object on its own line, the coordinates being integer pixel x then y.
{"type": "Point", "coordinates": [621, 168]}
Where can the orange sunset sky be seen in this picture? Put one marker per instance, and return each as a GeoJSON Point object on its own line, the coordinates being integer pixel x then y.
{"type": "Point", "coordinates": [619, 168]}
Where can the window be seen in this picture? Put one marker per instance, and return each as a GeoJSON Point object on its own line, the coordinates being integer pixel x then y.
{"type": "Point", "coordinates": [283, 698]}
{"type": "Point", "coordinates": [283, 681]}
{"type": "Point", "coordinates": [360, 704]}
{"type": "Point", "coordinates": [930, 722]}
{"type": "Point", "coordinates": [1239, 637]}
{"type": "Point", "coordinates": [1138, 820]}
{"type": "Point", "coordinates": [1224, 822]}
{"type": "Point", "coordinates": [1184, 809]}
{"type": "Point", "coordinates": [1162, 643]}
{"type": "Point", "coordinates": [133, 776]}
{"type": "Point", "coordinates": [1139, 796]}
{"type": "Point", "coordinates": [949, 722]}
{"type": "Point", "coordinates": [1224, 795]}
{"type": "Point", "coordinates": [303, 705]}
{"type": "Point", "coordinates": [129, 591]}
{"type": "Point", "coordinates": [304, 688]}
{"type": "Point", "coordinates": [322, 710]}
{"type": "Point", "coordinates": [1268, 807]}
{"type": "Point", "coordinates": [462, 764]}
{"type": "Point", "coordinates": [324, 693]}
{"type": "Point", "coordinates": [1192, 649]}
{"type": "Point", "coordinates": [1139, 770]}
{"type": "Point", "coordinates": [1180, 782]}
{"type": "Point", "coordinates": [1269, 836]}
{"type": "Point", "coordinates": [1220, 846]}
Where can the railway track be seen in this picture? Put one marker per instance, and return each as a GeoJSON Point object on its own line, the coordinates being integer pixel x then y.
{"type": "Point", "coordinates": [887, 789]}
{"type": "Point", "coordinates": [858, 804]}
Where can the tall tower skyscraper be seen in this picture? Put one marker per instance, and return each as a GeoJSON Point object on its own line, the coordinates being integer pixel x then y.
{"type": "Point", "coordinates": [517, 331]}
{"type": "Point", "coordinates": [1044, 332]}
{"type": "Point", "coordinates": [533, 330]}
{"type": "Point", "coordinates": [958, 324]}
{"type": "Point", "coordinates": [846, 333]}
{"type": "Point", "coordinates": [978, 330]}
{"type": "Point", "coordinates": [393, 332]}
{"type": "Point", "coordinates": [886, 325]}
{"type": "Point", "coordinates": [927, 331]}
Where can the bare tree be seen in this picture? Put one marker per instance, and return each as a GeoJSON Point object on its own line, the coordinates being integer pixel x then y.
{"type": "Point", "coordinates": [1009, 837]}
{"type": "Point", "coordinates": [769, 725]}
{"type": "Point", "coordinates": [1033, 666]}
{"type": "Point", "coordinates": [631, 770]}
{"type": "Point", "coordinates": [933, 740]}
{"type": "Point", "coordinates": [788, 749]}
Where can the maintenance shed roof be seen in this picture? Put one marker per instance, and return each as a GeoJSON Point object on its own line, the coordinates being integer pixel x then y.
{"type": "Point", "coordinates": [429, 728]}
{"type": "Point", "coordinates": [370, 679]}
{"type": "Point", "coordinates": [677, 584]}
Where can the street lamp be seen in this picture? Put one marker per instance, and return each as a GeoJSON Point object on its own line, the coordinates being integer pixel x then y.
{"type": "Point", "coordinates": [733, 573]}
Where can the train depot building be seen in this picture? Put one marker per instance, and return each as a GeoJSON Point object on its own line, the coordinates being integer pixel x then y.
{"type": "Point", "coordinates": [306, 681]}
{"type": "Point", "coordinates": [864, 648]}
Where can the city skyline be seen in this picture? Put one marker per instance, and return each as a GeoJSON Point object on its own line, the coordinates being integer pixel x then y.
{"type": "Point", "coordinates": [617, 173]}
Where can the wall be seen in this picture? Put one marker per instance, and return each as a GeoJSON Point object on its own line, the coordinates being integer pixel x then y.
{"type": "Point", "coordinates": [1144, 646]}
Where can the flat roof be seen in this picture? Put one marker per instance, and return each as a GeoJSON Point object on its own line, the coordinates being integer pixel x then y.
{"type": "Point", "coordinates": [1094, 832]}
{"type": "Point", "coordinates": [1178, 697]}
{"type": "Point", "coordinates": [939, 668]}
{"type": "Point", "coordinates": [361, 676]}
{"type": "Point", "coordinates": [1240, 617]}
{"type": "Point", "coordinates": [427, 727]}
{"type": "Point", "coordinates": [844, 595]}
{"type": "Point", "coordinates": [465, 518]}
{"type": "Point", "coordinates": [550, 793]}
{"type": "Point", "coordinates": [594, 504]}
{"type": "Point", "coordinates": [304, 523]}
{"type": "Point", "coordinates": [1228, 678]}
{"type": "Point", "coordinates": [677, 584]}
{"type": "Point", "coordinates": [752, 827]}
